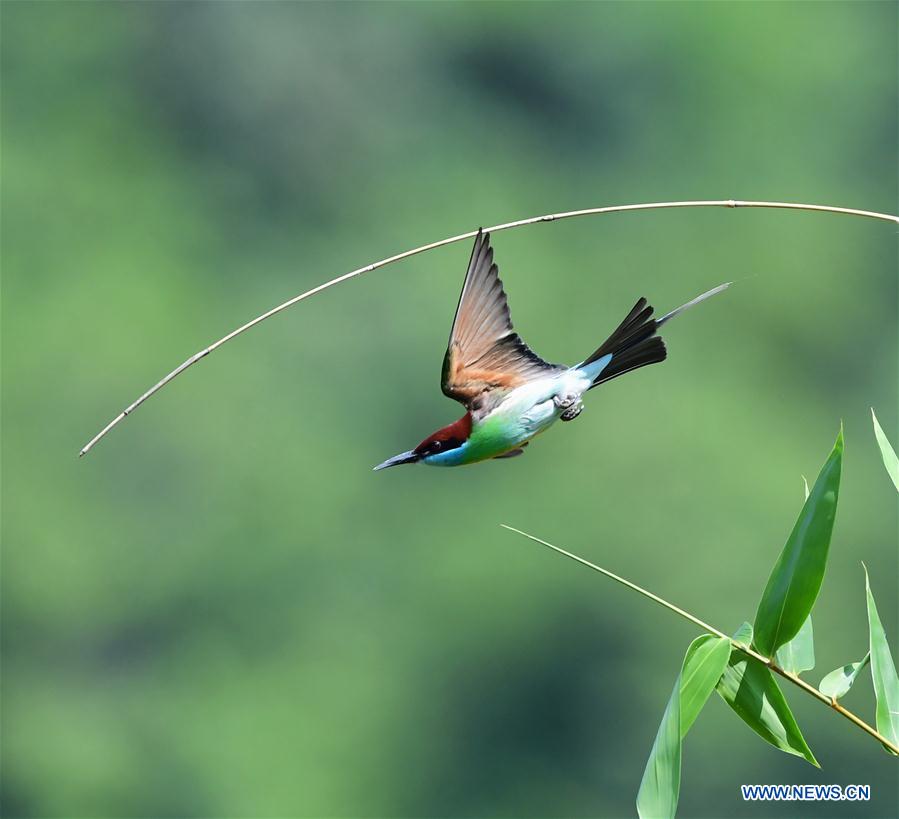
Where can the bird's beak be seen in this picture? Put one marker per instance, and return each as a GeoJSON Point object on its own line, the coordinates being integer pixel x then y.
{"type": "Point", "coordinates": [409, 457]}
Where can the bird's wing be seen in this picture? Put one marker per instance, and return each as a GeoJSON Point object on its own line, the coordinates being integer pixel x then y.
{"type": "Point", "coordinates": [512, 453]}
{"type": "Point", "coordinates": [486, 358]}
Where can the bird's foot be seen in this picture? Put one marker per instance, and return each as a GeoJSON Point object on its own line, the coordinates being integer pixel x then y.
{"type": "Point", "coordinates": [572, 412]}
{"type": "Point", "coordinates": [570, 403]}
{"type": "Point", "coordinates": [565, 400]}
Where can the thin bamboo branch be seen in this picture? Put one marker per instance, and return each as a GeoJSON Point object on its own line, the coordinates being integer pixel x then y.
{"type": "Point", "coordinates": [551, 217]}
{"type": "Point", "coordinates": [787, 675]}
{"type": "Point", "coordinates": [639, 589]}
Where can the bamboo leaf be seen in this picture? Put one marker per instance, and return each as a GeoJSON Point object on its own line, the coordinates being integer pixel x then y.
{"type": "Point", "coordinates": [750, 689]}
{"type": "Point", "coordinates": [744, 634]}
{"type": "Point", "coordinates": [796, 578]}
{"type": "Point", "coordinates": [703, 666]}
{"type": "Point", "coordinates": [799, 654]}
{"type": "Point", "coordinates": [890, 461]}
{"type": "Point", "coordinates": [660, 786]}
{"type": "Point", "coordinates": [883, 672]}
{"type": "Point", "coordinates": [838, 682]}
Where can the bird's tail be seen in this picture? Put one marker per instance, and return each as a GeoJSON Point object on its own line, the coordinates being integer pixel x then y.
{"type": "Point", "coordinates": [634, 343]}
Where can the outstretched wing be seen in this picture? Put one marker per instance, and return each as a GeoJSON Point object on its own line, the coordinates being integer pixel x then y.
{"type": "Point", "coordinates": [486, 358]}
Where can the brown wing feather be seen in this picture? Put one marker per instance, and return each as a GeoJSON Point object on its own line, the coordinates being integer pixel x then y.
{"type": "Point", "coordinates": [486, 358]}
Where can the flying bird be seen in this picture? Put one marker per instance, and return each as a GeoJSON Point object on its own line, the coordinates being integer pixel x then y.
{"type": "Point", "coordinates": [511, 394]}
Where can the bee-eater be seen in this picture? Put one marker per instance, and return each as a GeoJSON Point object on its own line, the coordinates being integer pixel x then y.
{"type": "Point", "coordinates": [510, 393]}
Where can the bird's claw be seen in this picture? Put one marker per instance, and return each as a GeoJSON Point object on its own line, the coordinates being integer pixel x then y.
{"type": "Point", "coordinates": [565, 400]}
{"type": "Point", "coordinates": [571, 405]}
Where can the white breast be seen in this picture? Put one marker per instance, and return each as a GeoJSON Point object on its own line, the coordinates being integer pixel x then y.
{"type": "Point", "coordinates": [531, 405]}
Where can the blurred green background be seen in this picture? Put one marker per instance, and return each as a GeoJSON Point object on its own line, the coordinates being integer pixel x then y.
{"type": "Point", "coordinates": [222, 610]}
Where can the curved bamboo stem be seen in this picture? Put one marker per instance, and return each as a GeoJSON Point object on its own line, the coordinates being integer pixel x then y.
{"type": "Point", "coordinates": [787, 675]}
{"type": "Point", "coordinates": [550, 217]}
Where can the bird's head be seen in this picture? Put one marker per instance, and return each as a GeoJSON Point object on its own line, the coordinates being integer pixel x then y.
{"type": "Point", "coordinates": [442, 448]}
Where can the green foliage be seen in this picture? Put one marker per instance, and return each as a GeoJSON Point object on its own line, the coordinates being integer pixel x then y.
{"type": "Point", "coordinates": [750, 689]}
{"type": "Point", "coordinates": [890, 461]}
{"type": "Point", "coordinates": [660, 785]}
{"type": "Point", "coordinates": [840, 680]}
{"type": "Point", "coordinates": [743, 635]}
{"type": "Point", "coordinates": [796, 578]}
{"type": "Point", "coordinates": [799, 654]}
{"type": "Point", "coordinates": [883, 673]}
{"type": "Point", "coordinates": [703, 665]}
{"type": "Point", "coordinates": [744, 678]}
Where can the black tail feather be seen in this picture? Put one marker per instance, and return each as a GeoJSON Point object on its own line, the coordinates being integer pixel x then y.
{"type": "Point", "coordinates": [649, 351]}
{"type": "Point", "coordinates": [637, 326]}
{"type": "Point", "coordinates": [632, 345]}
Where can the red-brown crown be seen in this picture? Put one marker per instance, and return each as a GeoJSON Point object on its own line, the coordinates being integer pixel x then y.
{"type": "Point", "coordinates": [449, 437]}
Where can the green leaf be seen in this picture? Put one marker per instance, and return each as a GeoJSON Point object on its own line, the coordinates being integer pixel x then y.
{"type": "Point", "coordinates": [796, 578]}
{"type": "Point", "coordinates": [805, 487]}
{"type": "Point", "coordinates": [744, 634]}
{"type": "Point", "coordinates": [883, 672]}
{"type": "Point", "coordinates": [799, 654]}
{"type": "Point", "coordinates": [660, 786]}
{"type": "Point", "coordinates": [838, 682]}
{"type": "Point", "coordinates": [890, 461]}
{"type": "Point", "coordinates": [750, 689]}
{"type": "Point", "coordinates": [704, 664]}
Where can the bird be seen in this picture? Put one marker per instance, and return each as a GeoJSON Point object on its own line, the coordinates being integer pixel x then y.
{"type": "Point", "coordinates": [510, 394]}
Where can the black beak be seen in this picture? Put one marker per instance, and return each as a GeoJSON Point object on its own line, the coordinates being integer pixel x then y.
{"type": "Point", "coordinates": [409, 457]}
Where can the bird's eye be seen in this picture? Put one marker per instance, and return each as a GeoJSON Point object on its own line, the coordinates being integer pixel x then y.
{"type": "Point", "coordinates": [437, 446]}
